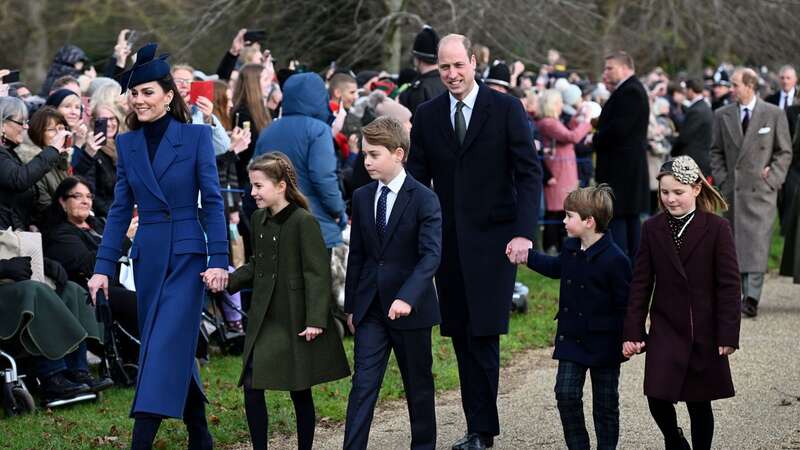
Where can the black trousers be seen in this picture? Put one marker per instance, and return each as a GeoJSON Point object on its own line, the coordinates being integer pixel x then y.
{"type": "Point", "coordinates": [554, 233]}
{"type": "Point", "coordinates": [701, 417]}
{"type": "Point", "coordinates": [145, 426]}
{"type": "Point", "coordinates": [374, 339]}
{"type": "Point", "coordinates": [479, 373]}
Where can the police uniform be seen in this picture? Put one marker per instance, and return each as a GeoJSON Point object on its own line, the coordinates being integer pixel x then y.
{"type": "Point", "coordinates": [427, 85]}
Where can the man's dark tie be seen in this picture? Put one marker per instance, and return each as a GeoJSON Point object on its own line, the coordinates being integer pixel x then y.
{"type": "Point", "coordinates": [745, 120]}
{"type": "Point", "coordinates": [380, 214]}
{"type": "Point", "coordinates": [461, 123]}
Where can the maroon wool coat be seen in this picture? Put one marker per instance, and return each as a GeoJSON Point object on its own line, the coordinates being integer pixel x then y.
{"type": "Point", "coordinates": [695, 308]}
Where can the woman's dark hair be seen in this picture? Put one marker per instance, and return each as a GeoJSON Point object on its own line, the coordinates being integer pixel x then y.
{"type": "Point", "coordinates": [39, 122]}
{"type": "Point", "coordinates": [177, 107]}
{"type": "Point", "coordinates": [55, 213]}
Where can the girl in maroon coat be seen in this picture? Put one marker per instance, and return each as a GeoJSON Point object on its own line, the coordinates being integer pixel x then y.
{"type": "Point", "coordinates": [687, 263]}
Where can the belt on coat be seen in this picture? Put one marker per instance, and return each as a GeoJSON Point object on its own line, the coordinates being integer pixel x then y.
{"type": "Point", "coordinates": [161, 215]}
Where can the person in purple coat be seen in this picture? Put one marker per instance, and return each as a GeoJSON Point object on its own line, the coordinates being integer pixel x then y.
{"type": "Point", "coordinates": [695, 307]}
{"type": "Point", "coordinates": [163, 164]}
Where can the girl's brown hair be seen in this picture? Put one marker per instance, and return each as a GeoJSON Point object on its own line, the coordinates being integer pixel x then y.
{"type": "Point", "coordinates": [248, 94]}
{"type": "Point", "coordinates": [220, 102]}
{"type": "Point", "coordinates": [277, 167]}
{"type": "Point", "coordinates": [42, 119]}
{"type": "Point", "coordinates": [708, 200]}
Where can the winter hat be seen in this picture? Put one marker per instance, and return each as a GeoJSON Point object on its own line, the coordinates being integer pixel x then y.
{"type": "Point", "coordinates": [426, 45]}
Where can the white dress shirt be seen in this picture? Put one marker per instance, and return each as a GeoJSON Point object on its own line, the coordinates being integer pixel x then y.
{"type": "Point", "coordinates": [394, 189]}
{"type": "Point", "coordinates": [786, 99]}
{"type": "Point", "coordinates": [749, 107]}
{"type": "Point", "coordinates": [469, 105]}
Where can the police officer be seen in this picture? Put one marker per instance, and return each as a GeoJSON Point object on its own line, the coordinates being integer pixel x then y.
{"type": "Point", "coordinates": [427, 85]}
{"type": "Point", "coordinates": [499, 77]}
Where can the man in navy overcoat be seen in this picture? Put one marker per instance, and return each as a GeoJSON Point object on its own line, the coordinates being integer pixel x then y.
{"type": "Point", "coordinates": [473, 144]}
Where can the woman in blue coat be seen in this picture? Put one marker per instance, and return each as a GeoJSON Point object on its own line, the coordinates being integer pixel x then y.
{"type": "Point", "coordinates": [163, 163]}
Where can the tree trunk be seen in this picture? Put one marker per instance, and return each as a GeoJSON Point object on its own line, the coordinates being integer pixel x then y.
{"type": "Point", "coordinates": [393, 46]}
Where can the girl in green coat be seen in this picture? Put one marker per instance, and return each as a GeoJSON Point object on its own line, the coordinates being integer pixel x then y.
{"type": "Point", "coordinates": [291, 342]}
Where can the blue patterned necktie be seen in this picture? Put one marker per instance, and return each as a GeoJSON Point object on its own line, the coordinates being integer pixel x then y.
{"type": "Point", "coordinates": [380, 214]}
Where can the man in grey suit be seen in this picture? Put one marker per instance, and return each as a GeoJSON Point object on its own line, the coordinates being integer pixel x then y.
{"type": "Point", "coordinates": [750, 154]}
{"type": "Point", "coordinates": [694, 138]}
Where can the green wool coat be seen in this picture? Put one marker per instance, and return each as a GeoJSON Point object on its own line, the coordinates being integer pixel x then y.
{"type": "Point", "coordinates": [33, 316]}
{"type": "Point", "coordinates": [290, 275]}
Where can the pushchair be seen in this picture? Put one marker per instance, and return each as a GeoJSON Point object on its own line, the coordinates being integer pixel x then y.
{"type": "Point", "coordinates": [15, 396]}
{"type": "Point", "coordinates": [113, 363]}
{"type": "Point", "coordinates": [214, 330]}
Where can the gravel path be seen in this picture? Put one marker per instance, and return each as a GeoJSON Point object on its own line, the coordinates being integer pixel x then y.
{"type": "Point", "coordinates": [765, 414]}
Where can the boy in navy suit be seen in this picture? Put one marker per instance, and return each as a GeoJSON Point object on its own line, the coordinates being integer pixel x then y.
{"type": "Point", "coordinates": [390, 300]}
{"type": "Point", "coordinates": [595, 275]}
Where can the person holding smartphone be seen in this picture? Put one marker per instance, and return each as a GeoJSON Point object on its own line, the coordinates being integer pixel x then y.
{"type": "Point", "coordinates": [202, 109]}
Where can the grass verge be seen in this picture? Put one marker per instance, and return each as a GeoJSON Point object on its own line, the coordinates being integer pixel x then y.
{"type": "Point", "coordinates": [105, 424]}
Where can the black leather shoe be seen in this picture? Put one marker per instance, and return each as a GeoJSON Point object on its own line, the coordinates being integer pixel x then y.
{"type": "Point", "coordinates": [749, 307]}
{"type": "Point", "coordinates": [58, 387]}
{"type": "Point", "coordinates": [472, 441]}
{"type": "Point", "coordinates": [95, 384]}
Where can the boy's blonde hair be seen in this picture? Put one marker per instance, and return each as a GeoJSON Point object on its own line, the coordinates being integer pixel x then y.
{"type": "Point", "coordinates": [388, 132]}
{"type": "Point", "coordinates": [594, 201]}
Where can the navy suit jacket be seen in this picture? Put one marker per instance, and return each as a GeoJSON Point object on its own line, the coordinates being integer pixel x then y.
{"type": "Point", "coordinates": [404, 265]}
{"type": "Point", "coordinates": [592, 300]}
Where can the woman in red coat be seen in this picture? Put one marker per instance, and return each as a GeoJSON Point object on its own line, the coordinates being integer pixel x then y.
{"type": "Point", "coordinates": [559, 141]}
{"type": "Point", "coordinates": [695, 307]}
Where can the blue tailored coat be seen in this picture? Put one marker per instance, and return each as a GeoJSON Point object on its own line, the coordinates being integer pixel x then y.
{"type": "Point", "coordinates": [403, 265]}
{"type": "Point", "coordinates": [169, 253]}
{"type": "Point", "coordinates": [592, 300]}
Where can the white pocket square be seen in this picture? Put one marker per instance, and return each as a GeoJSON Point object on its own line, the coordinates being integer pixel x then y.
{"type": "Point", "coordinates": [764, 130]}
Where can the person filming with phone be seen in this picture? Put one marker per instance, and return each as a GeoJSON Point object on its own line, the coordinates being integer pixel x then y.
{"type": "Point", "coordinates": [201, 106]}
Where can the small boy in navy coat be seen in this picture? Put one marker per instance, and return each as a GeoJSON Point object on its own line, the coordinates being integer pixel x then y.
{"type": "Point", "coordinates": [390, 300]}
{"type": "Point", "coordinates": [595, 275]}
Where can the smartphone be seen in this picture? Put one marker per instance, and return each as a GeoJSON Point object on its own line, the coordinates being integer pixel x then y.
{"type": "Point", "coordinates": [255, 35]}
{"type": "Point", "coordinates": [201, 89]}
{"type": "Point", "coordinates": [101, 126]}
{"type": "Point", "coordinates": [12, 77]}
{"type": "Point", "coordinates": [68, 141]}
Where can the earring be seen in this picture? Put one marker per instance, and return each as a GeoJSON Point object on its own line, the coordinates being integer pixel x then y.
{"type": "Point", "coordinates": [167, 108]}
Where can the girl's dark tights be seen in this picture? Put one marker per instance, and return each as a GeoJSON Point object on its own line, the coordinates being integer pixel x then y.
{"type": "Point", "coordinates": [700, 415]}
{"type": "Point", "coordinates": [255, 407]}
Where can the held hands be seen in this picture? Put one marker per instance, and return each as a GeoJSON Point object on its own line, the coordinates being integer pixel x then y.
{"type": "Point", "coordinates": [517, 250]}
{"type": "Point", "coordinates": [97, 282]}
{"type": "Point", "coordinates": [216, 280]}
{"type": "Point", "coordinates": [630, 348]}
{"type": "Point", "coordinates": [311, 333]}
{"type": "Point", "coordinates": [725, 350]}
{"type": "Point", "coordinates": [350, 325]}
{"type": "Point", "coordinates": [399, 309]}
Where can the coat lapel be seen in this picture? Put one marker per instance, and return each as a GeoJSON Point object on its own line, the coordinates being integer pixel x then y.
{"type": "Point", "coordinates": [480, 114]}
{"type": "Point", "coordinates": [142, 166]}
{"type": "Point", "coordinates": [734, 125]}
{"type": "Point", "coordinates": [665, 240]}
{"type": "Point", "coordinates": [447, 126]}
{"type": "Point", "coordinates": [368, 208]}
{"type": "Point", "coordinates": [167, 149]}
{"type": "Point", "coordinates": [399, 207]}
{"type": "Point", "coordinates": [695, 232]}
{"type": "Point", "coordinates": [757, 121]}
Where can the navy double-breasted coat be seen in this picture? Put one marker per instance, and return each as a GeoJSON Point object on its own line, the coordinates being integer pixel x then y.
{"type": "Point", "coordinates": [169, 252]}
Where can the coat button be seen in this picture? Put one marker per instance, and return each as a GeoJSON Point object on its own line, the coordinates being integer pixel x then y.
{"type": "Point", "coordinates": [260, 275]}
{"type": "Point", "coordinates": [274, 238]}
{"type": "Point", "coordinates": [580, 314]}
{"type": "Point", "coordinates": [569, 281]}
{"type": "Point", "coordinates": [260, 254]}
{"type": "Point", "coordinates": [581, 286]}
{"type": "Point", "coordinates": [273, 276]}
{"type": "Point", "coordinates": [566, 309]}
{"type": "Point", "coordinates": [561, 338]}
{"type": "Point", "coordinates": [380, 263]}
{"type": "Point", "coordinates": [261, 236]}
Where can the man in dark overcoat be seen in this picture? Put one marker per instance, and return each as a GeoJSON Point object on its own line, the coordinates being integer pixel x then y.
{"type": "Point", "coordinates": [474, 145]}
{"type": "Point", "coordinates": [621, 146]}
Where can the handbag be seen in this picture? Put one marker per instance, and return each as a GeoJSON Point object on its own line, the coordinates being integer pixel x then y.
{"type": "Point", "coordinates": [25, 243]}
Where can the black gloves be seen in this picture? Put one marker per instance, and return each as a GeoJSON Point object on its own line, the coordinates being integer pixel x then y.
{"type": "Point", "coordinates": [56, 272]}
{"type": "Point", "coordinates": [17, 269]}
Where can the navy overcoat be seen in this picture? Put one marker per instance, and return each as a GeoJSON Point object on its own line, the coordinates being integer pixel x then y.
{"type": "Point", "coordinates": [592, 300]}
{"type": "Point", "coordinates": [169, 252]}
{"type": "Point", "coordinates": [489, 189]}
